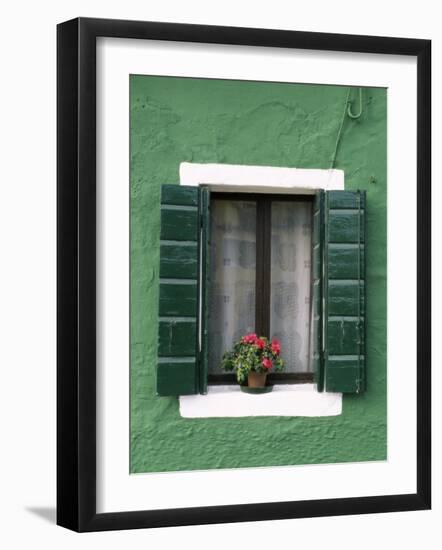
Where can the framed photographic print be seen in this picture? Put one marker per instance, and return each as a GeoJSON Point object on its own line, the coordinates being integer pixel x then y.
{"type": "Point", "coordinates": [243, 274]}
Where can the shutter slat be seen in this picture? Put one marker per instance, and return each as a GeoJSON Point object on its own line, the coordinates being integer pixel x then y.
{"type": "Point", "coordinates": [344, 375]}
{"type": "Point", "coordinates": [344, 292]}
{"type": "Point", "coordinates": [178, 260]}
{"type": "Point", "coordinates": [343, 336]}
{"type": "Point", "coordinates": [343, 226]}
{"type": "Point", "coordinates": [345, 297]}
{"type": "Point", "coordinates": [346, 199]}
{"type": "Point", "coordinates": [181, 195]}
{"type": "Point", "coordinates": [343, 260]}
{"type": "Point", "coordinates": [177, 377]}
{"type": "Point", "coordinates": [178, 299]}
{"type": "Point", "coordinates": [179, 225]}
{"type": "Point", "coordinates": [176, 338]}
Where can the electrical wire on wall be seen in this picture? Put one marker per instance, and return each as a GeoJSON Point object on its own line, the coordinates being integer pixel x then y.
{"type": "Point", "coordinates": [346, 112]}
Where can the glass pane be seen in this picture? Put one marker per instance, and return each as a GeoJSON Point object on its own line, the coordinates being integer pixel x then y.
{"type": "Point", "coordinates": [232, 276]}
{"type": "Point", "coordinates": [291, 282]}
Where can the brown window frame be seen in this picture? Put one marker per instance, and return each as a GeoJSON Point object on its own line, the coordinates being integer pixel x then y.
{"type": "Point", "coordinates": [263, 274]}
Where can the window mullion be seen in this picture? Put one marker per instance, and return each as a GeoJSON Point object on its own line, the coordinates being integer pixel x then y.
{"type": "Point", "coordinates": [263, 266]}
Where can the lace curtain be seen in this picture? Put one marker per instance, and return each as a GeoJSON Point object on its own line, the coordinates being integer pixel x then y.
{"type": "Point", "coordinates": [291, 247]}
{"type": "Point", "coordinates": [232, 284]}
{"type": "Point", "coordinates": [232, 281]}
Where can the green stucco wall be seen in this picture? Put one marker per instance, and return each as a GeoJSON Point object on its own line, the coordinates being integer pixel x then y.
{"type": "Point", "coordinates": [174, 120]}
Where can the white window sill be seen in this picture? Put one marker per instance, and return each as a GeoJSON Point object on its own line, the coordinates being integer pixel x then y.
{"type": "Point", "coordinates": [284, 400]}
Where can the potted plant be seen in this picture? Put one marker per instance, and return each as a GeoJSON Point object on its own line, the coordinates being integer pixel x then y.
{"type": "Point", "coordinates": [252, 358]}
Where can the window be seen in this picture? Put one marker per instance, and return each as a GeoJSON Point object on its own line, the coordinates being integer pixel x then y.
{"type": "Point", "coordinates": [260, 246]}
{"type": "Point", "coordinates": [331, 234]}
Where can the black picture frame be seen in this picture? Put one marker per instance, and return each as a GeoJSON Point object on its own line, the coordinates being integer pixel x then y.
{"type": "Point", "coordinates": [76, 274]}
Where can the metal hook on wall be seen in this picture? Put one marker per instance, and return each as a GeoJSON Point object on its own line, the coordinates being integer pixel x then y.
{"type": "Point", "coordinates": [349, 111]}
{"type": "Point", "coordinates": [346, 110]}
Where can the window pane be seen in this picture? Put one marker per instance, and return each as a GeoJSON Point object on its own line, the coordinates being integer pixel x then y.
{"type": "Point", "coordinates": [291, 281]}
{"type": "Point", "coordinates": [232, 276]}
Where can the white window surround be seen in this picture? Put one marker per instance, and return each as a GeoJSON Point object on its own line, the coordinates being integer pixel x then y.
{"type": "Point", "coordinates": [285, 399]}
{"type": "Point", "coordinates": [262, 179]}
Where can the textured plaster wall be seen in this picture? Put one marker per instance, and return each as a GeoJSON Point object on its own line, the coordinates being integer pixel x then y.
{"type": "Point", "coordinates": [174, 120]}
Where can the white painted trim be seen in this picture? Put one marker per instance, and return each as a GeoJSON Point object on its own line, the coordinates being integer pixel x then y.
{"type": "Point", "coordinates": [284, 400]}
{"type": "Point", "coordinates": [265, 179]}
{"type": "Point", "coordinates": [222, 401]}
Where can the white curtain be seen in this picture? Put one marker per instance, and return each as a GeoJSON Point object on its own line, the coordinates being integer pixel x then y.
{"type": "Point", "coordinates": [291, 258]}
{"type": "Point", "coordinates": [232, 284]}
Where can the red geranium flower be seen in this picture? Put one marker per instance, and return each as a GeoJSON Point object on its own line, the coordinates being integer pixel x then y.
{"type": "Point", "coordinates": [276, 346]}
{"type": "Point", "coordinates": [267, 363]}
{"type": "Point", "coordinates": [249, 338]}
{"type": "Point", "coordinates": [260, 343]}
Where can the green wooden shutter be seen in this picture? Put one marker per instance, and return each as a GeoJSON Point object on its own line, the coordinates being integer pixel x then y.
{"type": "Point", "coordinates": [342, 291]}
{"type": "Point", "coordinates": [180, 357]}
{"type": "Point", "coordinates": [344, 288]}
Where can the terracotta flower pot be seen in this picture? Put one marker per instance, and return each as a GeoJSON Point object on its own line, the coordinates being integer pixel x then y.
{"type": "Point", "coordinates": [256, 379]}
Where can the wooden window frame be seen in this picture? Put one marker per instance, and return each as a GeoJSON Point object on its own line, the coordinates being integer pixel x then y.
{"type": "Point", "coordinates": [263, 273]}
